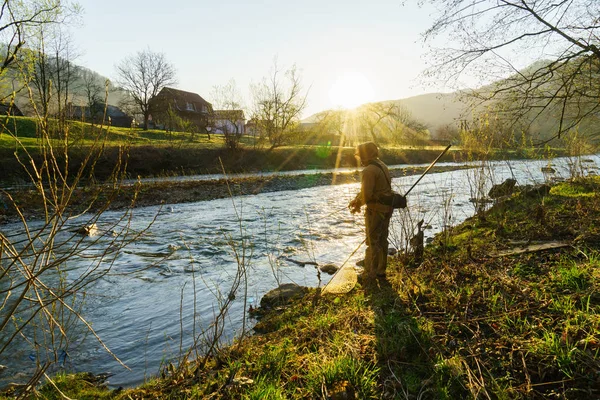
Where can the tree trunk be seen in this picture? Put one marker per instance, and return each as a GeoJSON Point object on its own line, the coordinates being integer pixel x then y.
{"type": "Point", "coordinates": [374, 137]}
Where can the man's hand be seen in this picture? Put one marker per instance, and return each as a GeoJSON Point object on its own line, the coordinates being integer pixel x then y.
{"type": "Point", "coordinates": [401, 202]}
{"type": "Point", "coordinates": [354, 206]}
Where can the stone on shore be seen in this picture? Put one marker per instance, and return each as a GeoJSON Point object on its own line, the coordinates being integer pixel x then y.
{"type": "Point", "coordinates": [505, 188]}
{"type": "Point", "coordinates": [282, 295]}
{"type": "Point", "coordinates": [536, 190]}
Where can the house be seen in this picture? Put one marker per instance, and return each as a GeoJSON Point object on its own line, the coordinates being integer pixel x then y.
{"type": "Point", "coordinates": [10, 109]}
{"type": "Point", "coordinates": [170, 103]}
{"type": "Point", "coordinates": [257, 127]}
{"type": "Point", "coordinates": [95, 114]}
{"type": "Point", "coordinates": [229, 122]}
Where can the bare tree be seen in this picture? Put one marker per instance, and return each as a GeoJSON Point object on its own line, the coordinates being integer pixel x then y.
{"type": "Point", "coordinates": [64, 72]}
{"type": "Point", "coordinates": [46, 67]}
{"type": "Point", "coordinates": [229, 116]}
{"type": "Point", "coordinates": [373, 116]}
{"type": "Point", "coordinates": [496, 37]}
{"type": "Point", "coordinates": [40, 297]}
{"type": "Point", "coordinates": [333, 121]}
{"type": "Point", "coordinates": [92, 91]}
{"type": "Point", "coordinates": [18, 19]}
{"type": "Point", "coordinates": [397, 121]}
{"type": "Point", "coordinates": [447, 133]}
{"type": "Point", "coordinates": [36, 69]}
{"type": "Point", "coordinates": [278, 103]}
{"type": "Point", "coordinates": [143, 76]}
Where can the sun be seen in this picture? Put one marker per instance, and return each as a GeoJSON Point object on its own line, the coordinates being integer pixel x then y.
{"type": "Point", "coordinates": [351, 90]}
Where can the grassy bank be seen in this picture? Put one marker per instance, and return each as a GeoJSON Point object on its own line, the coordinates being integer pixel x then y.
{"type": "Point", "coordinates": [157, 153]}
{"type": "Point", "coordinates": [471, 321]}
{"type": "Point", "coordinates": [196, 158]}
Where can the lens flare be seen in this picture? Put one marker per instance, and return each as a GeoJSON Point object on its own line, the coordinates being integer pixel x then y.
{"type": "Point", "coordinates": [350, 90]}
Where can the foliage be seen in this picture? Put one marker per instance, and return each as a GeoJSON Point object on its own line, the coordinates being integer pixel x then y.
{"type": "Point", "coordinates": [577, 146]}
{"type": "Point", "coordinates": [22, 19]}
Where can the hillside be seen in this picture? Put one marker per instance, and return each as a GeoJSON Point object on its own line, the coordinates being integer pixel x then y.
{"type": "Point", "coordinates": [435, 109]}
{"type": "Point", "coordinates": [83, 84]}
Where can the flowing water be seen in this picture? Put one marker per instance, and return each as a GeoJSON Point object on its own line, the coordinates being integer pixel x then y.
{"type": "Point", "coordinates": [162, 288]}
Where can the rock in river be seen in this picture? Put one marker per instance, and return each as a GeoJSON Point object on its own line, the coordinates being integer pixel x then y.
{"type": "Point", "coordinates": [87, 230]}
{"type": "Point", "coordinates": [329, 269]}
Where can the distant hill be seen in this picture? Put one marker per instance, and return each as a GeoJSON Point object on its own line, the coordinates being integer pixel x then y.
{"type": "Point", "coordinates": [529, 108]}
{"type": "Point", "coordinates": [435, 110]}
{"type": "Point", "coordinates": [80, 83]}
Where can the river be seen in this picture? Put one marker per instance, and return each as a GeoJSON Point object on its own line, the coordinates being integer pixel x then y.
{"type": "Point", "coordinates": [154, 286]}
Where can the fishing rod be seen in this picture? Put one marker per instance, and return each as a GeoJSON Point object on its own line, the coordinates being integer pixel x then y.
{"type": "Point", "coordinates": [427, 170]}
{"type": "Point", "coordinates": [406, 194]}
{"type": "Point", "coordinates": [417, 181]}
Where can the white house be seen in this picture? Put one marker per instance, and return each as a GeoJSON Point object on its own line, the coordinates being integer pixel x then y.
{"type": "Point", "coordinates": [229, 122]}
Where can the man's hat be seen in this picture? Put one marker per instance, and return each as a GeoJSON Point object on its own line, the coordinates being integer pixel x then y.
{"type": "Point", "coordinates": [367, 151]}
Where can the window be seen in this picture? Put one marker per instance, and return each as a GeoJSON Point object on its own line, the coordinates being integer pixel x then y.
{"type": "Point", "coordinates": [190, 107]}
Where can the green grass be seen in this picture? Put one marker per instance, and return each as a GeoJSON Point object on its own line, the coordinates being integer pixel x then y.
{"type": "Point", "coordinates": [578, 188]}
{"type": "Point", "coordinates": [81, 383]}
{"type": "Point", "coordinates": [84, 134]}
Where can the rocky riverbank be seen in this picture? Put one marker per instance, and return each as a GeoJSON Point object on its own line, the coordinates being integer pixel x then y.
{"type": "Point", "coordinates": [143, 194]}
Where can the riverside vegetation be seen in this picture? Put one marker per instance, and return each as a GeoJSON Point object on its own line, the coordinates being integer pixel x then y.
{"type": "Point", "coordinates": [158, 153]}
{"type": "Point", "coordinates": [473, 320]}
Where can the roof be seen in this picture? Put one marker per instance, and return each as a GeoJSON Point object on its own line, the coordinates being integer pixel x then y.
{"type": "Point", "coordinates": [229, 114]}
{"type": "Point", "coordinates": [10, 109]}
{"type": "Point", "coordinates": [111, 111]}
{"type": "Point", "coordinates": [183, 95]}
{"type": "Point", "coordinates": [254, 121]}
{"type": "Point", "coordinates": [115, 111]}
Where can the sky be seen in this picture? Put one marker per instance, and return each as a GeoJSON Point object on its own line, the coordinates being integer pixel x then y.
{"type": "Point", "coordinates": [347, 51]}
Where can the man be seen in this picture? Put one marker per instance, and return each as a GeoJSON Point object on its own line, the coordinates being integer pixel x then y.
{"type": "Point", "coordinates": [375, 183]}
